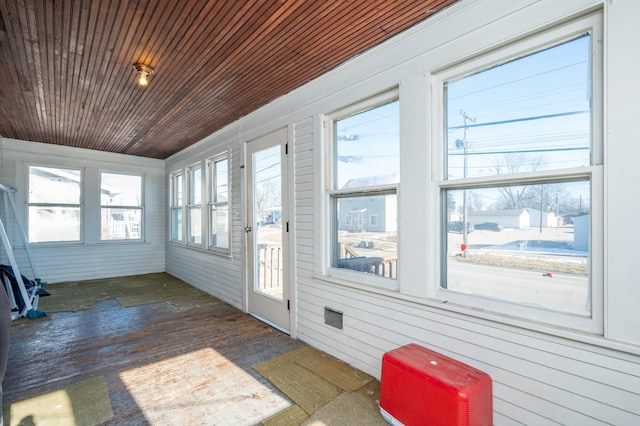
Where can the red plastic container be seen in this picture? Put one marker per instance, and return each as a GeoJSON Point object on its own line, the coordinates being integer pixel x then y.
{"type": "Point", "coordinates": [422, 387]}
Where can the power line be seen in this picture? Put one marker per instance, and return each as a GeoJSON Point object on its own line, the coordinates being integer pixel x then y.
{"type": "Point", "coordinates": [518, 151]}
{"type": "Point", "coordinates": [517, 120]}
{"type": "Point", "coordinates": [528, 97]}
{"type": "Point", "coordinates": [506, 83]}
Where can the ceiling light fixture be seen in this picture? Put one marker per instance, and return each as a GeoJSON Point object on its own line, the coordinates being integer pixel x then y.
{"type": "Point", "coordinates": [144, 71]}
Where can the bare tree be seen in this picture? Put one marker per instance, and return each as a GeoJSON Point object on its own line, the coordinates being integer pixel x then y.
{"type": "Point", "coordinates": [475, 202]}
{"type": "Point", "coordinates": [518, 197]}
{"type": "Point", "coordinates": [518, 162]}
{"type": "Point", "coordinates": [267, 195]}
{"type": "Point", "coordinates": [451, 202]}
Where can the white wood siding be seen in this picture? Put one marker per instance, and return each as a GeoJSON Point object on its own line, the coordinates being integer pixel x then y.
{"type": "Point", "coordinates": [90, 259]}
{"type": "Point", "coordinates": [219, 275]}
{"type": "Point", "coordinates": [542, 374]}
{"type": "Point", "coordinates": [540, 377]}
{"type": "Point", "coordinates": [214, 274]}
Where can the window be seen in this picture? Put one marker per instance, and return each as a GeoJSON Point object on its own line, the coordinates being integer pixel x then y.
{"type": "Point", "coordinates": [521, 179]}
{"type": "Point", "coordinates": [364, 174]}
{"type": "Point", "coordinates": [218, 203]}
{"type": "Point", "coordinates": [121, 207]}
{"type": "Point", "coordinates": [55, 208]}
{"type": "Point", "coordinates": [195, 205]}
{"type": "Point", "coordinates": [176, 206]}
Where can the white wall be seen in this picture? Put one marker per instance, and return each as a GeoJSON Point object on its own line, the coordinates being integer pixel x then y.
{"type": "Point", "coordinates": [220, 275]}
{"type": "Point", "coordinates": [90, 259]}
{"type": "Point", "coordinates": [623, 151]}
{"type": "Point", "coordinates": [542, 374]}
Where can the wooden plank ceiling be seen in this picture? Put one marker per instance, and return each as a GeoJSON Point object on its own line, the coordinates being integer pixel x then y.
{"type": "Point", "coordinates": [67, 77]}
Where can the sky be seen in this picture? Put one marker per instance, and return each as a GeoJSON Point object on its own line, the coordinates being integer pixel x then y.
{"type": "Point", "coordinates": [538, 105]}
{"type": "Point", "coordinates": [368, 144]}
{"type": "Point", "coordinates": [533, 112]}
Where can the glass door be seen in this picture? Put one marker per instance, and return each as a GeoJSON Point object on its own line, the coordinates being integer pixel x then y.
{"type": "Point", "coordinates": [268, 289]}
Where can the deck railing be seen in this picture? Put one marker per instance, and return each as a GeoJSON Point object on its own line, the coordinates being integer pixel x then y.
{"type": "Point", "coordinates": [270, 271]}
{"type": "Point", "coordinates": [381, 266]}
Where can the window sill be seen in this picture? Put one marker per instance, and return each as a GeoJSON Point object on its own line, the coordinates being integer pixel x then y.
{"type": "Point", "coordinates": [358, 282]}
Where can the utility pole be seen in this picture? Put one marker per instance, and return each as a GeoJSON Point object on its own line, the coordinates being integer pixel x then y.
{"type": "Point", "coordinates": [465, 208]}
{"type": "Point", "coordinates": [541, 205]}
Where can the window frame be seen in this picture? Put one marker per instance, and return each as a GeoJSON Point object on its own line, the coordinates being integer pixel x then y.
{"type": "Point", "coordinates": [80, 204]}
{"type": "Point", "coordinates": [594, 172]}
{"type": "Point", "coordinates": [332, 195]}
{"type": "Point", "coordinates": [176, 204]}
{"type": "Point", "coordinates": [194, 188]}
{"type": "Point", "coordinates": [131, 207]}
{"type": "Point", "coordinates": [212, 202]}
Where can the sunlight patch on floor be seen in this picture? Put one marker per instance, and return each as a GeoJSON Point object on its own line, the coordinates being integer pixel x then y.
{"type": "Point", "coordinates": [218, 389]}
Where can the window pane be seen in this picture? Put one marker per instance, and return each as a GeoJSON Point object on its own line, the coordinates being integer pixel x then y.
{"type": "Point", "coordinates": [530, 114]}
{"type": "Point", "coordinates": [121, 224]}
{"type": "Point", "coordinates": [61, 190]}
{"type": "Point", "coordinates": [194, 186]}
{"type": "Point", "coordinates": [367, 148]}
{"type": "Point", "coordinates": [195, 225]}
{"type": "Point", "coordinates": [53, 223]}
{"type": "Point", "coordinates": [267, 186]}
{"type": "Point", "coordinates": [176, 224]}
{"type": "Point", "coordinates": [362, 246]}
{"type": "Point", "coordinates": [54, 186]}
{"type": "Point", "coordinates": [177, 190]}
{"type": "Point", "coordinates": [222, 181]}
{"type": "Point", "coordinates": [120, 190]}
{"type": "Point", "coordinates": [527, 244]}
{"type": "Point", "coordinates": [219, 221]}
